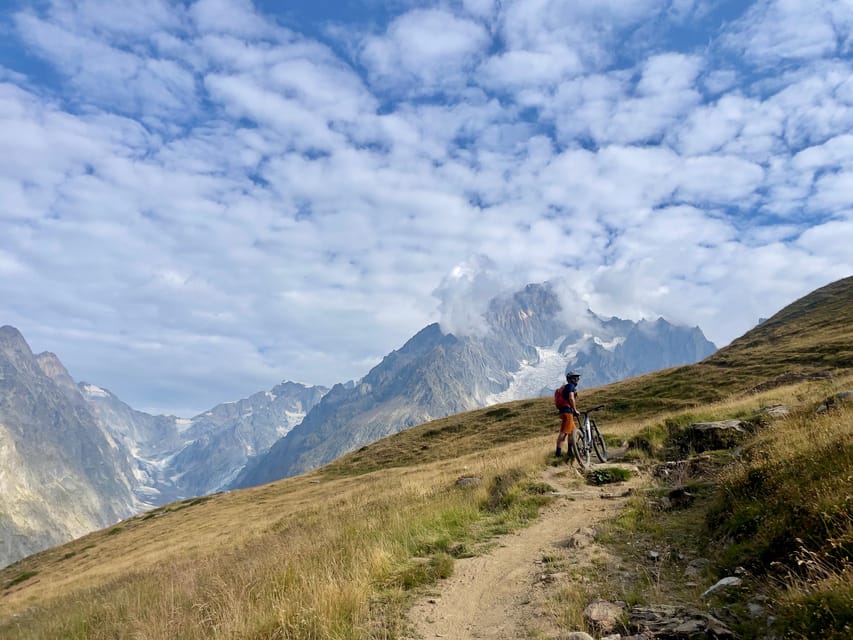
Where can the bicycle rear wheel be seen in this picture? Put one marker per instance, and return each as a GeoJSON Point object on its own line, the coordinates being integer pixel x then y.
{"type": "Point", "coordinates": [598, 441]}
{"type": "Point", "coordinates": [580, 448]}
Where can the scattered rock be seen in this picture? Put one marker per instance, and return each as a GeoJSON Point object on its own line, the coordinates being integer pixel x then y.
{"type": "Point", "coordinates": [711, 436]}
{"type": "Point", "coordinates": [603, 616]}
{"type": "Point", "coordinates": [730, 581]}
{"type": "Point", "coordinates": [667, 621]}
{"type": "Point", "coordinates": [580, 538]}
{"type": "Point", "coordinates": [676, 472]}
{"type": "Point", "coordinates": [677, 498]}
{"type": "Point", "coordinates": [576, 635]}
{"type": "Point", "coordinates": [468, 481]}
{"type": "Point", "coordinates": [695, 567]}
{"type": "Point", "coordinates": [550, 578]}
{"type": "Point", "coordinates": [776, 411]}
{"type": "Point", "coordinates": [834, 401]}
{"type": "Point", "coordinates": [654, 556]}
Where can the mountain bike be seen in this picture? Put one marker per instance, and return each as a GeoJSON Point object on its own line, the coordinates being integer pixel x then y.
{"type": "Point", "coordinates": [587, 438]}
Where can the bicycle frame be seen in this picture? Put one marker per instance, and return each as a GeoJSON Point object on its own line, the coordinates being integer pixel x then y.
{"type": "Point", "coordinates": [587, 439]}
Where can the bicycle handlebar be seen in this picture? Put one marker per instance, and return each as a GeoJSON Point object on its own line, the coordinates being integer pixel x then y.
{"type": "Point", "coordinates": [601, 406]}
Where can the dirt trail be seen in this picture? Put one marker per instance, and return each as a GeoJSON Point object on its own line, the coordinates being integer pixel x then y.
{"type": "Point", "coordinates": [498, 596]}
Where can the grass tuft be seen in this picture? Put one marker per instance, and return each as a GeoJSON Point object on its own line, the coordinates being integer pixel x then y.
{"type": "Point", "coordinates": [607, 475]}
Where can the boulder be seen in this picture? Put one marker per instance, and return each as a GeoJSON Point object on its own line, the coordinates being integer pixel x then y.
{"type": "Point", "coordinates": [776, 411]}
{"type": "Point", "coordinates": [603, 616]}
{"type": "Point", "coordinates": [725, 583]}
{"type": "Point", "coordinates": [710, 436]}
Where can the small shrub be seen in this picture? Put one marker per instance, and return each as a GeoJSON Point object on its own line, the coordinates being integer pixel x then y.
{"type": "Point", "coordinates": [607, 475]}
{"type": "Point", "coordinates": [612, 440]}
{"type": "Point", "coordinates": [499, 497]}
{"type": "Point", "coordinates": [826, 614]}
{"type": "Point", "coordinates": [423, 571]}
{"type": "Point", "coordinates": [439, 431]}
{"type": "Point", "coordinates": [538, 488]}
{"type": "Point", "coordinates": [21, 577]}
{"type": "Point", "coordinates": [501, 413]}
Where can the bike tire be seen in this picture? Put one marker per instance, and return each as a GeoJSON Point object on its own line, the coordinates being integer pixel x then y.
{"type": "Point", "coordinates": [598, 443]}
{"type": "Point", "coordinates": [580, 448]}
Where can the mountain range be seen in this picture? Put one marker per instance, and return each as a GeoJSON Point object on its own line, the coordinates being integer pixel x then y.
{"type": "Point", "coordinates": [75, 457]}
{"type": "Point", "coordinates": [527, 346]}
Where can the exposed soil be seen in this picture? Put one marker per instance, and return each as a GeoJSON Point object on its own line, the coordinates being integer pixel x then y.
{"type": "Point", "coordinates": [503, 594]}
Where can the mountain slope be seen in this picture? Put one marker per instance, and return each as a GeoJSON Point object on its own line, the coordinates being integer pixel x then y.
{"type": "Point", "coordinates": [174, 458]}
{"type": "Point", "coordinates": [524, 352]}
{"type": "Point", "coordinates": [318, 551]}
{"type": "Point", "coordinates": [810, 338]}
{"type": "Point", "coordinates": [60, 475]}
{"type": "Point", "coordinates": [75, 457]}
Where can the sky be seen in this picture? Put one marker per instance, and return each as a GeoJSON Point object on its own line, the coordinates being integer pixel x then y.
{"type": "Point", "coordinates": [201, 199]}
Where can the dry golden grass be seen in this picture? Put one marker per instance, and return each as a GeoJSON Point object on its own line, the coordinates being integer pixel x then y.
{"type": "Point", "coordinates": [308, 557]}
{"type": "Point", "coordinates": [335, 553]}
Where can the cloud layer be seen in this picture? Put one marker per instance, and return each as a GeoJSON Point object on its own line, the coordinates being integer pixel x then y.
{"type": "Point", "coordinates": [201, 199]}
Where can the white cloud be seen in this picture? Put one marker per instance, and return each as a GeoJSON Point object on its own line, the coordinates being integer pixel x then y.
{"type": "Point", "coordinates": [465, 293]}
{"type": "Point", "coordinates": [718, 180]}
{"type": "Point", "coordinates": [425, 50]}
{"type": "Point", "coordinates": [216, 188]}
{"type": "Point", "coordinates": [517, 69]}
{"type": "Point", "coordinates": [774, 31]}
{"type": "Point", "coordinates": [234, 17]}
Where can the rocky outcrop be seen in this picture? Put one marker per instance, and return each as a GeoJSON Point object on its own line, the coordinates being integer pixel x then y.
{"type": "Point", "coordinates": [60, 474]}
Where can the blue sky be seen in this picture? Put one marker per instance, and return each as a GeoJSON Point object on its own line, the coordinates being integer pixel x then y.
{"type": "Point", "coordinates": [201, 199]}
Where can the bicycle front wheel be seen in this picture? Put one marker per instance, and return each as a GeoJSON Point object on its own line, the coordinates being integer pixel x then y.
{"type": "Point", "coordinates": [580, 448]}
{"type": "Point", "coordinates": [598, 442]}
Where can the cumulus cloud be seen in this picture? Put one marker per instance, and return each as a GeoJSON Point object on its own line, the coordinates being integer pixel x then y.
{"type": "Point", "coordinates": [425, 50]}
{"type": "Point", "coordinates": [774, 31]}
{"type": "Point", "coordinates": [464, 296]}
{"type": "Point", "coordinates": [196, 184]}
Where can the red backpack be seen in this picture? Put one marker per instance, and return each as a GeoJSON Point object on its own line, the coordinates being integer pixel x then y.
{"type": "Point", "coordinates": [559, 400]}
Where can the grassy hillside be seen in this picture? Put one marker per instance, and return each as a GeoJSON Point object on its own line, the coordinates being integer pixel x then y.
{"type": "Point", "coordinates": [337, 553]}
{"type": "Point", "coordinates": [808, 339]}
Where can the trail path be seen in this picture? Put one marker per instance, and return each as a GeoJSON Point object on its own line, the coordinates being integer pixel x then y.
{"type": "Point", "coordinates": [499, 595]}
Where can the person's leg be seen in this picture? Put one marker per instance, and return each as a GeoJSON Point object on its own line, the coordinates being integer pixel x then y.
{"type": "Point", "coordinates": [566, 427]}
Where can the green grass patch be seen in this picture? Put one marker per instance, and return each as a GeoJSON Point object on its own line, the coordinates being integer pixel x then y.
{"type": "Point", "coordinates": [443, 431]}
{"type": "Point", "coordinates": [425, 571]}
{"type": "Point", "coordinates": [501, 413]}
{"type": "Point", "coordinates": [649, 441]}
{"type": "Point", "coordinates": [824, 612]}
{"type": "Point", "coordinates": [607, 475]}
{"type": "Point", "coordinates": [21, 577]}
{"type": "Point", "coordinates": [768, 511]}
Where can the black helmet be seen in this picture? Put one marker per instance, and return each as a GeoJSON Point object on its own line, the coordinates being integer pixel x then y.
{"type": "Point", "coordinates": [572, 374]}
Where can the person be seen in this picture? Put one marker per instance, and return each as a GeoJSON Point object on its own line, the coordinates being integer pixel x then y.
{"type": "Point", "coordinates": [566, 398]}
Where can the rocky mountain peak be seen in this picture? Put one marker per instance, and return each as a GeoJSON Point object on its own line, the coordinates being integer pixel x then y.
{"type": "Point", "coordinates": [11, 341]}
{"type": "Point", "coordinates": [54, 369]}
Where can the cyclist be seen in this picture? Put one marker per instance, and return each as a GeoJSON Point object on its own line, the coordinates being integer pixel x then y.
{"type": "Point", "coordinates": [565, 398]}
